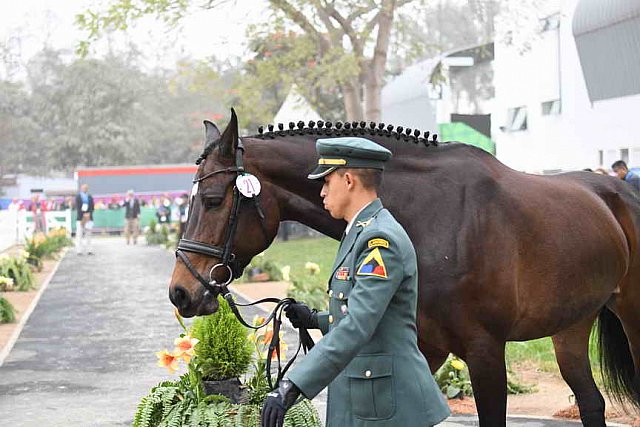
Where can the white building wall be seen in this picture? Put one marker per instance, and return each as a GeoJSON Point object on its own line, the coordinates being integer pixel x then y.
{"type": "Point", "coordinates": [572, 139]}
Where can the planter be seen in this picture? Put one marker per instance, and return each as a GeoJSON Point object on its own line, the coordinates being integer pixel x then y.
{"type": "Point", "coordinates": [231, 388]}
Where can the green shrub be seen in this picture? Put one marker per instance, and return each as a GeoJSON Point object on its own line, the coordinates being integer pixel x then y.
{"type": "Point", "coordinates": [7, 312]}
{"type": "Point", "coordinates": [157, 235]}
{"type": "Point", "coordinates": [224, 350]}
{"type": "Point", "coordinates": [18, 269]}
{"type": "Point", "coordinates": [259, 264]}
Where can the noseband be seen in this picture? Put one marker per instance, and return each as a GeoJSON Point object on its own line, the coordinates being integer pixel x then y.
{"type": "Point", "coordinates": [224, 253]}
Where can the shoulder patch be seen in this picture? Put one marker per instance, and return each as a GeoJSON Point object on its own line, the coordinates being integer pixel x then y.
{"type": "Point", "coordinates": [378, 242]}
{"type": "Point", "coordinates": [373, 265]}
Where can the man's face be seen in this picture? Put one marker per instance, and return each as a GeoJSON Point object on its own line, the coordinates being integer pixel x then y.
{"type": "Point", "coordinates": [620, 172]}
{"type": "Point", "coordinates": [335, 193]}
{"type": "Point", "coordinates": [84, 188]}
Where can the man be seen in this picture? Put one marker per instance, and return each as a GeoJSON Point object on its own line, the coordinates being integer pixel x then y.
{"type": "Point", "coordinates": [38, 209]}
{"type": "Point", "coordinates": [183, 211]}
{"type": "Point", "coordinates": [131, 215]}
{"type": "Point", "coordinates": [84, 220]}
{"type": "Point", "coordinates": [369, 355]}
{"type": "Point", "coordinates": [622, 171]}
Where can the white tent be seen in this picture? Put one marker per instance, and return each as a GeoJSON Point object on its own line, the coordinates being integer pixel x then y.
{"type": "Point", "coordinates": [295, 108]}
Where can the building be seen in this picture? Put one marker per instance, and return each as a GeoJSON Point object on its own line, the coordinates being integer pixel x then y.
{"type": "Point", "coordinates": [572, 100]}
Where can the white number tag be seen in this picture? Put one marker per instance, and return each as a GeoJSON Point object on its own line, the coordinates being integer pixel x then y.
{"type": "Point", "coordinates": [248, 185]}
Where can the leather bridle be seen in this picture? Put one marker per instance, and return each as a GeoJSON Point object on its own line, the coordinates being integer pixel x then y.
{"type": "Point", "coordinates": [228, 260]}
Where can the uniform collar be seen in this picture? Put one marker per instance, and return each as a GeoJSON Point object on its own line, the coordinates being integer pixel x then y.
{"type": "Point", "coordinates": [353, 220]}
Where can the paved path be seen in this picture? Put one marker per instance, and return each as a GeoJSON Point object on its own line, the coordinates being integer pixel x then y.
{"type": "Point", "coordinates": [86, 355]}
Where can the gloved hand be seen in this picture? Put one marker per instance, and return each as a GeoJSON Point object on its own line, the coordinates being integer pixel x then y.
{"type": "Point", "coordinates": [278, 402]}
{"type": "Point", "coordinates": [301, 316]}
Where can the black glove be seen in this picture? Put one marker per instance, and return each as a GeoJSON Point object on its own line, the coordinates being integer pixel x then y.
{"type": "Point", "coordinates": [301, 316]}
{"type": "Point", "coordinates": [278, 402]}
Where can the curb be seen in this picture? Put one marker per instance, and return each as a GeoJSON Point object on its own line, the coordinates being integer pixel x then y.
{"type": "Point", "coordinates": [23, 320]}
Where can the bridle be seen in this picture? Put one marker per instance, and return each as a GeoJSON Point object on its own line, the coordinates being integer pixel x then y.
{"type": "Point", "coordinates": [229, 261]}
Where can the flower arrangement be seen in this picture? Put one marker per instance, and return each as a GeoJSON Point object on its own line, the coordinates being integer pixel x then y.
{"type": "Point", "coordinates": [453, 378]}
{"type": "Point", "coordinates": [18, 270]}
{"type": "Point", "coordinates": [184, 401]}
{"type": "Point", "coordinates": [261, 269]}
{"type": "Point", "coordinates": [6, 284]}
{"type": "Point", "coordinates": [41, 246]}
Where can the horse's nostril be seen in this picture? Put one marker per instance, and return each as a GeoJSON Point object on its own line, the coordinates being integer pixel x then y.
{"type": "Point", "coordinates": [179, 297]}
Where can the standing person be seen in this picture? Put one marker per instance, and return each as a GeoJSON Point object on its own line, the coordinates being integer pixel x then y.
{"type": "Point", "coordinates": [369, 356]}
{"type": "Point", "coordinates": [131, 215]}
{"type": "Point", "coordinates": [84, 220]}
{"type": "Point", "coordinates": [622, 171]}
{"type": "Point", "coordinates": [164, 211]}
{"type": "Point", "coordinates": [39, 210]}
{"type": "Point", "coordinates": [183, 209]}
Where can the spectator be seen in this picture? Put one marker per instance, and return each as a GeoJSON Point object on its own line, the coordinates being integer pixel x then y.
{"type": "Point", "coordinates": [84, 220]}
{"type": "Point", "coordinates": [114, 204]}
{"type": "Point", "coordinates": [164, 211]}
{"type": "Point", "coordinates": [15, 205]}
{"type": "Point", "coordinates": [183, 208]}
{"type": "Point", "coordinates": [38, 209]}
{"type": "Point", "coordinates": [131, 214]}
{"type": "Point", "coordinates": [623, 172]}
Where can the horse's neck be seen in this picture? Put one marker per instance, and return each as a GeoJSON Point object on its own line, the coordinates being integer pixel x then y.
{"type": "Point", "coordinates": [285, 164]}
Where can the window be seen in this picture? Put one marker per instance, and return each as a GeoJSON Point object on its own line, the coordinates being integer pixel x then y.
{"type": "Point", "coordinates": [600, 157]}
{"type": "Point", "coordinates": [516, 119]}
{"type": "Point", "coordinates": [624, 155]}
{"type": "Point", "coordinates": [551, 107]}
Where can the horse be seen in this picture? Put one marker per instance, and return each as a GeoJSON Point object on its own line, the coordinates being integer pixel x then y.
{"type": "Point", "coordinates": [503, 255]}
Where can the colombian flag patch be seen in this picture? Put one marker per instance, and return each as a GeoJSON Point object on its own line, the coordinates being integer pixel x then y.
{"type": "Point", "coordinates": [373, 265]}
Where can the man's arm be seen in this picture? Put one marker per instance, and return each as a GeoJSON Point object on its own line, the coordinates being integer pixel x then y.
{"type": "Point", "coordinates": [367, 305]}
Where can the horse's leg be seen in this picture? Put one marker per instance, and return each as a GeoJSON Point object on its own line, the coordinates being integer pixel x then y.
{"type": "Point", "coordinates": [572, 354]}
{"type": "Point", "coordinates": [485, 358]}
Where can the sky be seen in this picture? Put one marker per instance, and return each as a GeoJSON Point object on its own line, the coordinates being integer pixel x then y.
{"type": "Point", "coordinates": [28, 25]}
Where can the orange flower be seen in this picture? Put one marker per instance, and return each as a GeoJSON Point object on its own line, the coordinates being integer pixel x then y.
{"type": "Point", "coordinates": [185, 347]}
{"type": "Point", "coordinates": [268, 335]}
{"type": "Point", "coordinates": [168, 360]}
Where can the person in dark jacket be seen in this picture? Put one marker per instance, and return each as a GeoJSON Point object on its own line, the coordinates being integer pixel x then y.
{"type": "Point", "coordinates": [131, 215]}
{"type": "Point", "coordinates": [623, 172]}
{"type": "Point", "coordinates": [84, 220]}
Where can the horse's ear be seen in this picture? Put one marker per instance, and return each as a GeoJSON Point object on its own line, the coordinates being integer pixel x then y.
{"type": "Point", "coordinates": [229, 141]}
{"type": "Point", "coordinates": [211, 132]}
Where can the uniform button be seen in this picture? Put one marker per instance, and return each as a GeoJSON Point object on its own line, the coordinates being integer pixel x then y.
{"type": "Point", "coordinates": [344, 309]}
{"type": "Point", "coordinates": [367, 373]}
{"type": "Point", "coordinates": [340, 295]}
{"type": "Point", "coordinates": [330, 319]}
{"type": "Point", "coordinates": [330, 292]}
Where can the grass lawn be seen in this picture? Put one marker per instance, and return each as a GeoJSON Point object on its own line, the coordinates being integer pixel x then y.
{"type": "Point", "coordinates": [321, 251]}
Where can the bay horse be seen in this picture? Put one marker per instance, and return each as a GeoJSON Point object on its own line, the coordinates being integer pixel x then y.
{"type": "Point", "coordinates": [503, 255]}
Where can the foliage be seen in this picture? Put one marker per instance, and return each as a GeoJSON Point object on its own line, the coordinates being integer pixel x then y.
{"type": "Point", "coordinates": [171, 403]}
{"type": "Point", "coordinates": [42, 246]}
{"type": "Point", "coordinates": [224, 350]}
{"type": "Point", "coordinates": [261, 264]}
{"type": "Point", "coordinates": [305, 288]}
{"type": "Point", "coordinates": [453, 378]}
{"type": "Point", "coordinates": [6, 284]}
{"type": "Point", "coordinates": [19, 271]}
{"type": "Point", "coordinates": [157, 235]}
{"type": "Point", "coordinates": [7, 312]}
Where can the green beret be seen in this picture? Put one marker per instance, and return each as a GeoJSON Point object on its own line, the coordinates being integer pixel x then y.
{"type": "Point", "coordinates": [348, 152]}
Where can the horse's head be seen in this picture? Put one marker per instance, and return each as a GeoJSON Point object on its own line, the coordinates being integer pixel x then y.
{"type": "Point", "coordinates": [233, 216]}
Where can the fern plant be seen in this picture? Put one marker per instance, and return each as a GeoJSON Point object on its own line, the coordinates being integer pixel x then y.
{"type": "Point", "coordinates": [7, 312]}
{"type": "Point", "coordinates": [224, 351]}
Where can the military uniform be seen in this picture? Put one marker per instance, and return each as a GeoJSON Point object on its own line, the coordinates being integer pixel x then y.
{"type": "Point", "coordinates": [369, 356]}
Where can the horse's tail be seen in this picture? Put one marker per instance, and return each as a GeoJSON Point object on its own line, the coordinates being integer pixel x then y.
{"type": "Point", "coordinates": [616, 361]}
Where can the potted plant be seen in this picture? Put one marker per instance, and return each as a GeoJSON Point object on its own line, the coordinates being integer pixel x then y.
{"type": "Point", "coordinates": [216, 346]}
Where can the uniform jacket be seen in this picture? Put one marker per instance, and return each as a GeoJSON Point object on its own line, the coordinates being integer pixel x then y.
{"type": "Point", "coordinates": [131, 212]}
{"type": "Point", "coordinates": [369, 355]}
{"type": "Point", "coordinates": [79, 207]}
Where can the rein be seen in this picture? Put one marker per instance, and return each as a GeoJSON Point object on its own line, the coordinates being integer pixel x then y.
{"type": "Point", "coordinates": [228, 261]}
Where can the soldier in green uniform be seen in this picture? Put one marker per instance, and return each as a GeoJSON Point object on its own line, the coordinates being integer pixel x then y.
{"type": "Point", "coordinates": [369, 355]}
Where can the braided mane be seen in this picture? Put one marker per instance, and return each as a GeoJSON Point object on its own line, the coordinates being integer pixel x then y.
{"type": "Point", "coordinates": [337, 130]}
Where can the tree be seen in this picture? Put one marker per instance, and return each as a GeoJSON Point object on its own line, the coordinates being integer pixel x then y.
{"type": "Point", "coordinates": [359, 31]}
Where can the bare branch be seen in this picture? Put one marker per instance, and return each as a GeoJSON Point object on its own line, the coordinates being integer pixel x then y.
{"type": "Point", "coordinates": [348, 29]}
{"type": "Point", "coordinates": [299, 19]}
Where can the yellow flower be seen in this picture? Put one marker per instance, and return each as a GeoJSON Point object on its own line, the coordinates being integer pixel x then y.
{"type": "Point", "coordinates": [312, 267]}
{"type": "Point", "coordinates": [457, 364]}
{"type": "Point", "coordinates": [168, 360]}
{"type": "Point", "coordinates": [258, 320]}
{"type": "Point", "coordinates": [286, 273]}
{"type": "Point", "coordinates": [185, 347]}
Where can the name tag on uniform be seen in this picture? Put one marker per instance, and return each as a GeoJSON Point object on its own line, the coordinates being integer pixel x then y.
{"type": "Point", "coordinates": [85, 207]}
{"type": "Point", "coordinates": [342, 273]}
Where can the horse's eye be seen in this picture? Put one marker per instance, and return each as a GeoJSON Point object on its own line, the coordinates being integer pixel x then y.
{"type": "Point", "coordinates": [212, 202]}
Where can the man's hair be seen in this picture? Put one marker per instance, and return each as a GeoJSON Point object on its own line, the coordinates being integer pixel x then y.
{"type": "Point", "coordinates": [371, 179]}
{"type": "Point", "coordinates": [619, 164]}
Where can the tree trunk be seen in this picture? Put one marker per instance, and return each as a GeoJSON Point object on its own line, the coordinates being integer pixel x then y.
{"type": "Point", "coordinates": [352, 100]}
{"type": "Point", "coordinates": [375, 71]}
